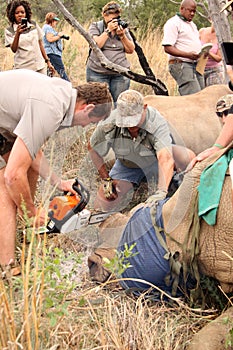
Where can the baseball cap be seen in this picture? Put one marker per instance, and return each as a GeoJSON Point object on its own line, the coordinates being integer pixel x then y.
{"type": "Point", "coordinates": [129, 109]}
{"type": "Point", "coordinates": [56, 19]}
{"type": "Point", "coordinates": [226, 5]}
{"type": "Point", "coordinates": [224, 103]}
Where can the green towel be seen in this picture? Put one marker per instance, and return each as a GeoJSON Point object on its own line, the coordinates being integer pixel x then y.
{"type": "Point", "coordinates": [210, 188]}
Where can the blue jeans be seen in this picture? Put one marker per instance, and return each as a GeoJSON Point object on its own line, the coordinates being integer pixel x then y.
{"type": "Point", "coordinates": [136, 175]}
{"type": "Point", "coordinates": [188, 79]}
{"type": "Point", "coordinates": [56, 61]}
{"type": "Point", "coordinates": [117, 83]}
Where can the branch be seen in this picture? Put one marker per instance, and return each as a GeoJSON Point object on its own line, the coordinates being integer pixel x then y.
{"type": "Point", "coordinates": [157, 85]}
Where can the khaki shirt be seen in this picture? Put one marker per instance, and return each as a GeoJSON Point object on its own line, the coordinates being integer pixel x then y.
{"type": "Point", "coordinates": [28, 54]}
{"type": "Point", "coordinates": [33, 106]}
{"type": "Point", "coordinates": [134, 153]}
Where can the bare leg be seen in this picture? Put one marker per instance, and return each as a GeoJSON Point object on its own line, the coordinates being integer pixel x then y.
{"type": "Point", "coordinates": [182, 157]}
{"type": "Point", "coordinates": [8, 217]}
{"type": "Point", "coordinates": [7, 224]}
{"type": "Point", "coordinates": [32, 179]}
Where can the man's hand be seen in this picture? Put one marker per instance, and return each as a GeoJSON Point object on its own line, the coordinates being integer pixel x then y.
{"type": "Point", "coordinates": [193, 56]}
{"type": "Point", "coordinates": [109, 188]}
{"type": "Point", "coordinates": [67, 186]}
{"type": "Point", "coordinates": [158, 196]}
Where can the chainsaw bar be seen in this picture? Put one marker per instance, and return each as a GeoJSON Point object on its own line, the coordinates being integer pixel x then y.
{"type": "Point", "coordinates": [99, 217]}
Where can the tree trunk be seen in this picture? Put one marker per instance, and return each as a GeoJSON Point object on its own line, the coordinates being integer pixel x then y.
{"type": "Point", "coordinates": [221, 24]}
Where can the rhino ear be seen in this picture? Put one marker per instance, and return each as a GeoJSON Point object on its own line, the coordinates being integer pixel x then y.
{"type": "Point", "coordinates": [97, 270]}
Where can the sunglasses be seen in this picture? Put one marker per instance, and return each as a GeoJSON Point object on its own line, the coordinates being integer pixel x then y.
{"type": "Point", "coordinates": [225, 113]}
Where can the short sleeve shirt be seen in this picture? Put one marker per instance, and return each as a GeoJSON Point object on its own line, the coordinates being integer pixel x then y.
{"type": "Point", "coordinates": [154, 135]}
{"type": "Point", "coordinates": [33, 106]}
{"type": "Point", "coordinates": [54, 47]}
{"type": "Point", "coordinates": [28, 54]}
{"type": "Point", "coordinates": [113, 50]}
{"type": "Point", "coordinates": [183, 35]}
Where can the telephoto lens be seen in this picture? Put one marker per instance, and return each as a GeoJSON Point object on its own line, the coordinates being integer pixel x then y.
{"type": "Point", "coordinates": [66, 37]}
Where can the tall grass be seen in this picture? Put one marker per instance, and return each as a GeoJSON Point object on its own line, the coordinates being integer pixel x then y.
{"type": "Point", "coordinates": [76, 52]}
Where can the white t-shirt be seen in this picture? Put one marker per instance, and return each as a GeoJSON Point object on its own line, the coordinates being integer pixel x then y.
{"type": "Point", "coordinates": [183, 35]}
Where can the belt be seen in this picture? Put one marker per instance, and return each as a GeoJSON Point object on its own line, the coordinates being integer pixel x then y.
{"type": "Point", "coordinates": [178, 61]}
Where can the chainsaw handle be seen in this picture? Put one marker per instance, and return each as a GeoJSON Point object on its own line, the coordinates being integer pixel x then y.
{"type": "Point", "coordinates": [83, 194]}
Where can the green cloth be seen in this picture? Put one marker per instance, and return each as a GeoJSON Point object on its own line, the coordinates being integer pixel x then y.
{"type": "Point", "coordinates": [210, 188]}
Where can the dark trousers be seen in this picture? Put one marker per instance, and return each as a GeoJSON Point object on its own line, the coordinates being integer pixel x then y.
{"type": "Point", "coordinates": [56, 61]}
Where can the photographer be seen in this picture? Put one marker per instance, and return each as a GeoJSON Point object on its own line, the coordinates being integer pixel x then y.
{"type": "Point", "coordinates": [53, 43]}
{"type": "Point", "coordinates": [25, 38]}
{"type": "Point", "coordinates": [113, 38]}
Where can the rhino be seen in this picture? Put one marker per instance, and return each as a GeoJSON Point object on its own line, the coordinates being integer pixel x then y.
{"type": "Point", "coordinates": [192, 119]}
{"type": "Point", "coordinates": [214, 248]}
{"type": "Point", "coordinates": [215, 242]}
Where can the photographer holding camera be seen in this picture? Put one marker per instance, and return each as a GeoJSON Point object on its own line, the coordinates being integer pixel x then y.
{"type": "Point", "coordinates": [25, 38]}
{"type": "Point", "coordinates": [53, 43]}
{"type": "Point", "coordinates": [113, 38]}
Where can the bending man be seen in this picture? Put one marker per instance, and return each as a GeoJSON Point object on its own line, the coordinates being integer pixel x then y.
{"type": "Point", "coordinates": [32, 108]}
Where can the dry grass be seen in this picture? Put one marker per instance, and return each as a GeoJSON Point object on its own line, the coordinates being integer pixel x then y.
{"type": "Point", "coordinates": [97, 317]}
{"type": "Point", "coordinates": [76, 52]}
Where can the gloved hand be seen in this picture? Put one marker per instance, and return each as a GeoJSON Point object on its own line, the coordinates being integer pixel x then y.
{"type": "Point", "coordinates": [109, 188]}
{"type": "Point", "coordinates": [158, 196]}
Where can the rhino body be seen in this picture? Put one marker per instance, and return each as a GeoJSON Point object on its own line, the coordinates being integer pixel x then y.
{"type": "Point", "coordinates": [192, 119]}
{"type": "Point", "coordinates": [215, 258]}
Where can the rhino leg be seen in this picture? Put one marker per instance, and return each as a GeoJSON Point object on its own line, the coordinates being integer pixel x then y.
{"type": "Point", "coordinates": [214, 335]}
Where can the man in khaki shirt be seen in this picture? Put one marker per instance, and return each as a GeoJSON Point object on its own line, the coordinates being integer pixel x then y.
{"type": "Point", "coordinates": [32, 107]}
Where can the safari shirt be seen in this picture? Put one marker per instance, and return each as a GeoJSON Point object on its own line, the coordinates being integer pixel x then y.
{"type": "Point", "coordinates": [33, 106]}
{"type": "Point", "coordinates": [133, 153]}
{"type": "Point", "coordinates": [113, 50]}
{"type": "Point", "coordinates": [183, 35]}
{"type": "Point", "coordinates": [28, 54]}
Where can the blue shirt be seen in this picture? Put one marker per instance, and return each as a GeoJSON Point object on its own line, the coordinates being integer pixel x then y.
{"type": "Point", "coordinates": [149, 264]}
{"type": "Point", "coordinates": [54, 47]}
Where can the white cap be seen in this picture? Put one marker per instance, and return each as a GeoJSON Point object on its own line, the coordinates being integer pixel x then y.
{"type": "Point", "coordinates": [129, 109]}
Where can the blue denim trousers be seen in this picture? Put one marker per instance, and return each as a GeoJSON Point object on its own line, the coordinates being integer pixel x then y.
{"type": "Point", "coordinates": [117, 83]}
{"type": "Point", "coordinates": [189, 81]}
{"type": "Point", "coordinates": [56, 61]}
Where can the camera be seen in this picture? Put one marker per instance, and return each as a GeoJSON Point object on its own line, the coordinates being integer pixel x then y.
{"type": "Point", "coordinates": [24, 22]}
{"type": "Point", "coordinates": [66, 37]}
{"type": "Point", "coordinates": [122, 23]}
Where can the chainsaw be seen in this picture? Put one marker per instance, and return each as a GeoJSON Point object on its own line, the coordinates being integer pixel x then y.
{"type": "Point", "coordinates": [67, 212]}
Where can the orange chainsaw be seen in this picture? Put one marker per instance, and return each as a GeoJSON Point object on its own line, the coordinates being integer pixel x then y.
{"type": "Point", "coordinates": [67, 213]}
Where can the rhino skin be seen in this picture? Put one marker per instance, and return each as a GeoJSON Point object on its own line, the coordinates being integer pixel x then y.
{"type": "Point", "coordinates": [215, 242]}
{"type": "Point", "coordinates": [214, 335]}
{"type": "Point", "coordinates": [192, 119]}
